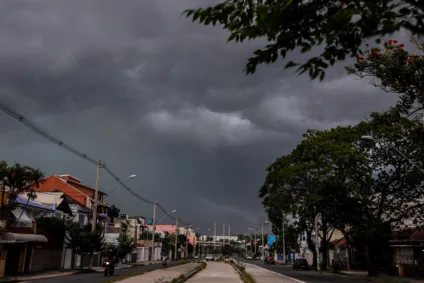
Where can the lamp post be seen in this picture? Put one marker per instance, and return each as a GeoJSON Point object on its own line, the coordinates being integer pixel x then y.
{"type": "Point", "coordinates": [254, 231]}
{"type": "Point", "coordinates": [207, 249]}
{"type": "Point", "coordinates": [187, 239]}
{"type": "Point", "coordinates": [119, 183]}
{"type": "Point", "coordinates": [282, 230]}
{"type": "Point", "coordinates": [395, 149]}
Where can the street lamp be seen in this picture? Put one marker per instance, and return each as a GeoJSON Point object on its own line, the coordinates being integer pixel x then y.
{"type": "Point", "coordinates": [395, 149]}
{"type": "Point", "coordinates": [119, 183]}
{"type": "Point", "coordinates": [254, 231]}
{"type": "Point", "coordinates": [166, 216]}
{"type": "Point", "coordinates": [187, 239]}
{"type": "Point", "coordinates": [154, 229]}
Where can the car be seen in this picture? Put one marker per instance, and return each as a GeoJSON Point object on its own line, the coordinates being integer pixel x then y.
{"type": "Point", "coordinates": [196, 257]}
{"type": "Point", "coordinates": [210, 257]}
{"type": "Point", "coordinates": [300, 263]}
{"type": "Point", "coordinates": [249, 257]}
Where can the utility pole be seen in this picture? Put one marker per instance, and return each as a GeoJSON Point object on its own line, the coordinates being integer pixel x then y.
{"type": "Point", "coordinates": [229, 235]}
{"type": "Point", "coordinates": [96, 198]}
{"type": "Point", "coordinates": [255, 241]}
{"type": "Point", "coordinates": [317, 240]}
{"type": "Point", "coordinates": [262, 252]}
{"type": "Point", "coordinates": [176, 239]}
{"type": "Point", "coordinates": [223, 234]}
{"type": "Point", "coordinates": [214, 236]}
{"type": "Point", "coordinates": [284, 236]}
{"type": "Point", "coordinates": [186, 244]}
{"type": "Point", "coordinates": [153, 231]}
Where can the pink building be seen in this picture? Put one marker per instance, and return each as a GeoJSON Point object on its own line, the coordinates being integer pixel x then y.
{"type": "Point", "coordinates": [170, 228]}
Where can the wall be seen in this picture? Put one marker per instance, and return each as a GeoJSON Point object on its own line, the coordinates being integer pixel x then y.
{"type": "Point", "coordinates": [46, 259]}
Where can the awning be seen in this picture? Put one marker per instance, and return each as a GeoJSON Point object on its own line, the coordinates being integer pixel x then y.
{"type": "Point", "coordinates": [14, 238]}
{"type": "Point", "coordinates": [21, 215]}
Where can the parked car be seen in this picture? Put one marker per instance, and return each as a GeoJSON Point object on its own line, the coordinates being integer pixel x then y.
{"type": "Point", "coordinates": [210, 257]}
{"type": "Point", "coordinates": [300, 263]}
{"type": "Point", "coordinates": [196, 256]}
{"type": "Point", "coordinates": [249, 257]}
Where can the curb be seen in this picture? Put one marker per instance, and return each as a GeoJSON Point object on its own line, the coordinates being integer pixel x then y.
{"type": "Point", "coordinates": [238, 271]}
{"type": "Point", "coordinates": [191, 273]}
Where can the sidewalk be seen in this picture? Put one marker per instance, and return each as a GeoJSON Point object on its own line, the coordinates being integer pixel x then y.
{"type": "Point", "coordinates": [57, 273]}
{"type": "Point", "coordinates": [162, 275]}
{"type": "Point", "coordinates": [263, 275]}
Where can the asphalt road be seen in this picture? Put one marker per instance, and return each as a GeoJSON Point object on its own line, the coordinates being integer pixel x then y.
{"type": "Point", "coordinates": [307, 276]}
{"type": "Point", "coordinates": [98, 277]}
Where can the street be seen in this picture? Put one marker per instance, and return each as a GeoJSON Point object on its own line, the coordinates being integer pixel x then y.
{"type": "Point", "coordinates": [98, 277]}
{"type": "Point", "coordinates": [302, 276]}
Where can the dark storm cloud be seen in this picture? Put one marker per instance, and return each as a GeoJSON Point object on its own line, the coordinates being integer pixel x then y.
{"type": "Point", "coordinates": [135, 84]}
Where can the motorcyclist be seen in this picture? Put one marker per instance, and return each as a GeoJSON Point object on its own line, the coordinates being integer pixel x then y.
{"type": "Point", "coordinates": [110, 257]}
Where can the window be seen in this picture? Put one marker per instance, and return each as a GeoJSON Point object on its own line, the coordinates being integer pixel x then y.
{"type": "Point", "coordinates": [81, 219]}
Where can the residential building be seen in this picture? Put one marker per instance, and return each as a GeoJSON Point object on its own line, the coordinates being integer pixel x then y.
{"type": "Point", "coordinates": [81, 193]}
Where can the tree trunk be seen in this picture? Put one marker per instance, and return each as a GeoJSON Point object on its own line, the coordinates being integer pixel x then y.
{"type": "Point", "coordinates": [90, 261]}
{"type": "Point", "coordinates": [371, 266]}
{"type": "Point", "coordinates": [311, 246]}
{"type": "Point", "coordinates": [81, 260]}
{"type": "Point", "coordinates": [325, 256]}
{"type": "Point", "coordinates": [72, 259]}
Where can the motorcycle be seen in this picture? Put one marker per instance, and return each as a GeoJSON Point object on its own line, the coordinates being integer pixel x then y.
{"type": "Point", "coordinates": [269, 260]}
{"type": "Point", "coordinates": [109, 268]}
{"type": "Point", "coordinates": [164, 261]}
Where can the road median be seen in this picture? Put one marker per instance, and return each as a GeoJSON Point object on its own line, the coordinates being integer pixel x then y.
{"type": "Point", "coordinates": [164, 275]}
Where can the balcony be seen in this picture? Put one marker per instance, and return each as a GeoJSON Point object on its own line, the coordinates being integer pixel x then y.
{"type": "Point", "coordinates": [113, 230]}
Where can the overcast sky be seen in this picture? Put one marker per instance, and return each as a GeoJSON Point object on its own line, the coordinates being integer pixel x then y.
{"type": "Point", "coordinates": [152, 94]}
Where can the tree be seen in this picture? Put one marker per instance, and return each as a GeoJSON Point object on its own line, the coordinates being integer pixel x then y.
{"type": "Point", "coordinates": [364, 189]}
{"type": "Point", "coordinates": [303, 182]}
{"type": "Point", "coordinates": [113, 212]}
{"type": "Point", "coordinates": [340, 25]}
{"type": "Point", "coordinates": [395, 70]}
{"type": "Point", "coordinates": [125, 246]}
{"type": "Point", "coordinates": [82, 241]}
{"type": "Point", "coordinates": [17, 179]}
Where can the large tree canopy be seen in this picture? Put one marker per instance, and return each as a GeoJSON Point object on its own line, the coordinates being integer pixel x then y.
{"type": "Point", "coordinates": [362, 188]}
{"type": "Point", "coordinates": [340, 26]}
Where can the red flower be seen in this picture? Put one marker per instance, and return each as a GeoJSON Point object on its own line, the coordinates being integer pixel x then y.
{"type": "Point", "coordinates": [410, 61]}
{"type": "Point", "coordinates": [395, 41]}
{"type": "Point", "coordinates": [402, 45]}
{"type": "Point", "coordinates": [375, 53]}
{"type": "Point", "coordinates": [367, 44]}
{"type": "Point", "coordinates": [360, 58]}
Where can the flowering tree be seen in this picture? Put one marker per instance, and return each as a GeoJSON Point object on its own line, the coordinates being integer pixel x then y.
{"type": "Point", "coordinates": [395, 70]}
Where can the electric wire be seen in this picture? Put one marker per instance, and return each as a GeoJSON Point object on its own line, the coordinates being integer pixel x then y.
{"type": "Point", "coordinates": [42, 132]}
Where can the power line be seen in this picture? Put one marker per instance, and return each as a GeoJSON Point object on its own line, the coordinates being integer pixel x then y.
{"type": "Point", "coordinates": [21, 118]}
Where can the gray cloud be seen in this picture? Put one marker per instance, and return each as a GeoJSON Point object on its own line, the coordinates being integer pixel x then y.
{"type": "Point", "coordinates": [133, 83]}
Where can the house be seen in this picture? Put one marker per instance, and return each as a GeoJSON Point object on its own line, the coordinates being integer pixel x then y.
{"type": "Point", "coordinates": [82, 194]}
{"type": "Point", "coordinates": [58, 201]}
{"type": "Point", "coordinates": [23, 249]}
{"type": "Point", "coordinates": [408, 249]}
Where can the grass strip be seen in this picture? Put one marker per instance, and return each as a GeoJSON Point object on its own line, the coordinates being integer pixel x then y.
{"type": "Point", "coordinates": [241, 269]}
{"type": "Point", "coordinates": [185, 277]}
{"type": "Point", "coordinates": [137, 273]}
